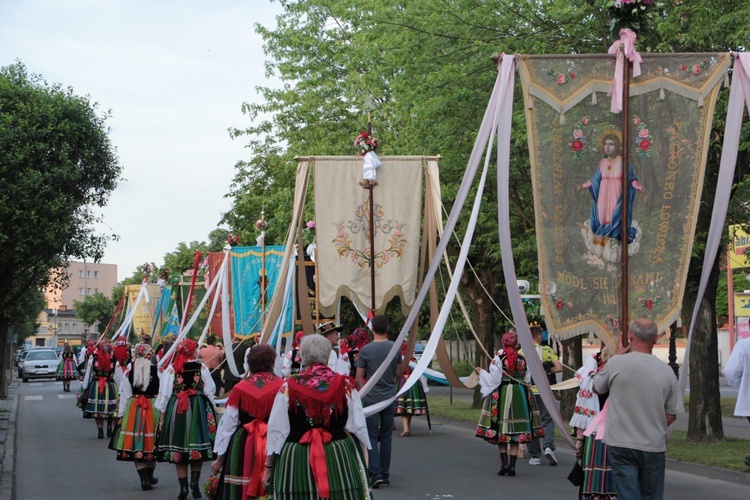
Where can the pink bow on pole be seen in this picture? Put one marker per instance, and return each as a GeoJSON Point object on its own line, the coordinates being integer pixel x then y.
{"type": "Point", "coordinates": [627, 42]}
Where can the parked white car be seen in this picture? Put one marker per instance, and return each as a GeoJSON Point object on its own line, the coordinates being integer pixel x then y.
{"type": "Point", "coordinates": [39, 363]}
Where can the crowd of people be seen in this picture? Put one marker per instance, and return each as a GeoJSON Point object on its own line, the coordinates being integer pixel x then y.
{"type": "Point", "coordinates": [297, 428]}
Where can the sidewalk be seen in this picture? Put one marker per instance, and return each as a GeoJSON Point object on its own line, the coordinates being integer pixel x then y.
{"type": "Point", "coordinates": [8, 412]}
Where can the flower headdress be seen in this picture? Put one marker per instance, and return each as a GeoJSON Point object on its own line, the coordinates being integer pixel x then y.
{"type": "Point", "coordinates": [185, 352]}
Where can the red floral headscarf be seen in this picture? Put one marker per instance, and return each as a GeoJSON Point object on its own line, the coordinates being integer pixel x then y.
{"type": "Point", "coordinates": [510, 339]}
{"type": "Point", "coordinates": [297, 339]}
{"type": "Point", "coordinates": [121, 352]}
{"type": "Point", "coordinates": [185, 353]}
{"type": "Point", "coordinates": [361, 337]}
{"type": "Point", "coordinates": [104, 357]}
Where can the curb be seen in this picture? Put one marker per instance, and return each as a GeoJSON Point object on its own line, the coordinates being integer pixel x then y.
{"type": "Point", "coordinates": [7, 467]}
{"type": "Point", "coordinates": [709, 472]}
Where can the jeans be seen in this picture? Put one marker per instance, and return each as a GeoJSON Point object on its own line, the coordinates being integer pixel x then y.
{"type": "Point", "coordinates": [379, 456]}
{"type": "Point", "coordinates": [535, 448]}
{"type": "Point", "coordinates": [638, 475]}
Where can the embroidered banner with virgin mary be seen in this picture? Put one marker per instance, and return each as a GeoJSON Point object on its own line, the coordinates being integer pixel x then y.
{"type": "Point", "coordinates": [576, 146]}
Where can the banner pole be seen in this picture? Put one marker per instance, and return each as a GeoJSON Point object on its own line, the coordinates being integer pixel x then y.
{"type": "Point", "coordinates": [625, 223]}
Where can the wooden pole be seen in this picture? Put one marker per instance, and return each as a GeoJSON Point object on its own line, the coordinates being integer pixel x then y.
{"type": "Point", "coordinates": [625, 223]}
{"type": "Point", "coordinates": [370, 186]}
{"type": "Point", "coordinates": [263, 280]}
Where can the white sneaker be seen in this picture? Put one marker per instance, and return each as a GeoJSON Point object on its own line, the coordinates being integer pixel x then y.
{"type": "Point", "coordinates": [534, 461]}
{"type": "Point", "coordinates": [550, 455]}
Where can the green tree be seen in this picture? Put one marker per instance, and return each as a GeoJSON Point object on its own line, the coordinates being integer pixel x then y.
{"type": "Point", "coordinates": [183, 258]}
{"type": "Point", "coordinates": [95, 309]}
{"type": "Point", "coordinates": [423, 70]}
{"type": "Point", "coordinates": [57, 167]}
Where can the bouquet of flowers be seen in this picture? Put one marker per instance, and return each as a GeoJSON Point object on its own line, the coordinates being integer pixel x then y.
{"type": "Point", "coordinates": [210, 486]}
{"type": "Point", "coordinates": [261, 224]}
{"type": "Point", "coordinates": [364, 143]}
{"type": "Point", "coordinates": [233, 240]}
{"type": "Point", "coordinates": [628, 14]}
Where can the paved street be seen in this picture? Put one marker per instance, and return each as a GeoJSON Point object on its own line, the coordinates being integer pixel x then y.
{"type": "Point", "coordinates": [58, 456]}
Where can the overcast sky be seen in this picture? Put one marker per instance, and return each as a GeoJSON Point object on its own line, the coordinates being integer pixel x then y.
{"type": "Point", "coordinates": [174, 73]}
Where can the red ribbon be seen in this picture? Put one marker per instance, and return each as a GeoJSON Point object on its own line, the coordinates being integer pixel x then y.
{"type": "Point", "coordinates": [255, 446]}
{"type": "Point", "coordinates": [142, 401]}
{"type": "Point", "coordinates": [102, 384]}
{"type": "Point", "coordinates": [316, 438]}
{"type": "Point", "coordinates": [183, 402]}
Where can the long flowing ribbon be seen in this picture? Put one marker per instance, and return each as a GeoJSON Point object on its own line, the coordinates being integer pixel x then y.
{"type": "Point", "coordinates": [183, 400]}
{"type": "Point", "coordinates": [627, 43]}
{"type": "Point", "coordinates": [255, 447]}
{"type": "Point", "coordinates": [316, 438]}
{"type": "Point", "coordinates": [142, 401]}
{"type": "Point", "coordinates": [739, 97]}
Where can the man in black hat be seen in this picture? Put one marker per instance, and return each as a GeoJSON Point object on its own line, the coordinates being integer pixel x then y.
{"type": "Point", "coordinates": [335, 362]}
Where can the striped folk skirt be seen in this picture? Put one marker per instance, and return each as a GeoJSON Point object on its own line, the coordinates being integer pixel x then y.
{"type": "Point", "coordinates": [347, 477]}
{"type": "Point", "coordinates": [239, 463]}
{"type": "Point", "coordinates": [188, 436]}
{"type": "Point", "coordinates": [509, 415]}
{"type": "Point", "coordinates": [135, 438]}
{"type": "Point", "coordinates": [413, 401]}
{"type": "Point", "coordinates": [102, 400]}
{"type": "Point", "coordinates": [597, 473]}
{"type": "Point", "coordinates": [67, 370]}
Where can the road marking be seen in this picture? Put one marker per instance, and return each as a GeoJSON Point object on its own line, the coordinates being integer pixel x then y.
{"type": "Point", "coordinates": [35, 384]}
{"type": "Point", "coordinates": [66, 396]}
{"type": "Point", "coordinates": [32, 398]}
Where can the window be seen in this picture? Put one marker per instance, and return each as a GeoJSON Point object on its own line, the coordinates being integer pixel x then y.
{"type": "Point", "coordinates": [96, 274]}
{"type": "Point", "coordinates": [88, 291]}
{"type": "Point", "coordinates": [80, 273]}
{"type": "Point", "coordinates": [88, 274]}
{"type": "Point", "coordinates": [74, 329]}
{"type": "Point", "coordinates": [80, 291]}
{"type": "Point", "coordinates": [96, 290]}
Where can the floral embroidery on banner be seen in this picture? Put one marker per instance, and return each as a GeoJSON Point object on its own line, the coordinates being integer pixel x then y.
{"type": "Point", "coordinates": [696, 69]}
{"type": "Point", "coordinates": [561, 78]}
{"type": "Point", "coordinates": [649, 303]}
{"type": "Point", "coordinates": [643, 139]}
{"type": "Point", "coordinates": [360, 224]}
{"type": "Point", "coordinates": [578, 142]}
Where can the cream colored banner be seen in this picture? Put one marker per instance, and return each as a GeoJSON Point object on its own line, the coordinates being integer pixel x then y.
{"type": "Point", "coordinates": [143, 319]}
{"type": "Point", "coordinates": [342, 217]}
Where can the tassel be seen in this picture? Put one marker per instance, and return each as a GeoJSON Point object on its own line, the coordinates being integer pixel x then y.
{"type": "Point", "coordinates": [562, 118]}
{"type": "Point", "coordinates": [726, 79]}
{"type": "Point", "coordinates": [593, 99]}
{"type": "Point", "coordinates": [661, 94]}
{"type": "Point", "coordinates": [700, 100]}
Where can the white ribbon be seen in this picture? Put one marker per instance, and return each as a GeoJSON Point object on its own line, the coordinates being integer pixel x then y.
{"type": "Point", "coordinates": [370, 165]}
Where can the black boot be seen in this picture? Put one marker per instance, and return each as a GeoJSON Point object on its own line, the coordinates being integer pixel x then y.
{"type": "Point", "coordinates": [183, 488]}
{"type": "Point", "coordinates": [151, 478]}
{"type": "Point", "coordinates": [195, 483]}
{"type": "Point", "coordinates": [145, 485]}
{"type": "Point", "coordinates": [512, 468]}
{"type": "Point", "coordinates": [101, 433]}
{"type": "Point", "coordinates": [504, 464]}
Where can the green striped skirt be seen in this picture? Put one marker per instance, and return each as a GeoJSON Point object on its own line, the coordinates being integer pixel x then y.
{"type": "Point", "coordinates": [102, 402]}
{"type": "Point", "coordinates": [597, 473]}
{"type": "Point", "coordinates": [347, 477]}
{"type": "Point", "coordinates": [509, 415]}
{"type": "Point", "coordinates": [413, 401]}
{"type": "Point", "coordinates": [189, 436]}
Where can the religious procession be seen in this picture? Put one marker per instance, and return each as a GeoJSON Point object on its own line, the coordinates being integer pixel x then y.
{"type": "Point", "coordinates": [280, 371]}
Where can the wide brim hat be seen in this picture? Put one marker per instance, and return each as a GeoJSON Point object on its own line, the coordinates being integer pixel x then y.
{"type": "Point", "coordinates": [329, 327]}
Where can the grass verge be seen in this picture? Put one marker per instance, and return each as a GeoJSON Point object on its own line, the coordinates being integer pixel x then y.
{"type": "Point", "coordinates": [728, 454]}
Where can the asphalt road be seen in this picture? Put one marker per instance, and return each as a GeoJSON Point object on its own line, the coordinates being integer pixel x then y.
{"type": "Point", "coordinates": [58, 456]}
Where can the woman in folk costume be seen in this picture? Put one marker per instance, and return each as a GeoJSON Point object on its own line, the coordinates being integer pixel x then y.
{"type": "Point", "coordinates": [316, 416]}
{"type": "Point", "coordinates": [67, 370]}
{"type": "Point", "coordinates": [412, 402]}
{"type": "Point", "coordinates": [292, 361]}
{"type": "Point", "coordinates": [135, 436]}
{"type": "Point", "coordinates": [84, 373]}
{"type": "Point", "coordinates": [588, 423]}
{"type": "Point", "coordinates": [121, 353]}
{"type": "Point", "coordinates": [359, 338]}
{"type": "Point", "coordinates": [102, 390]}
{"type": "Point", "coordinates": [509, 416]}
{"type": "Point", "coordinates": [241, 437]}
{"type": "Point", "coordinates": [188, 423]}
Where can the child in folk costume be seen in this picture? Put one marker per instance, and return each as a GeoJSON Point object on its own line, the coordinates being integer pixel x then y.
{"type": "Point", "coordinates": [509, 416]}
{"type": "Point", "coordinates": [102, 390]}
{"type": "Point", "coordinates": [588, 422]}
{"type": "Point", "coordinates": [67, 370]}
{"type": "Point", "coordinates": [292, 362]}
{"type": "Point", "coordinates": [241, 437]}
{"type": "Point", "coordinates": [412, 402]}
{"type": "Point", "coordinates": [188, 423]}
{"type": "Point", "coordinates": [135, 436]}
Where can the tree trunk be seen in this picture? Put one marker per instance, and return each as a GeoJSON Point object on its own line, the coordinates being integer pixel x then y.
{"type": "Point", "coordinates": [705, 403]}
{"type": "Point", "coordinates": [5, 365]}
{"type": "Point", "coordinates": [572, 356]}
{"type": "Point", "coordinates": [483, 312]}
